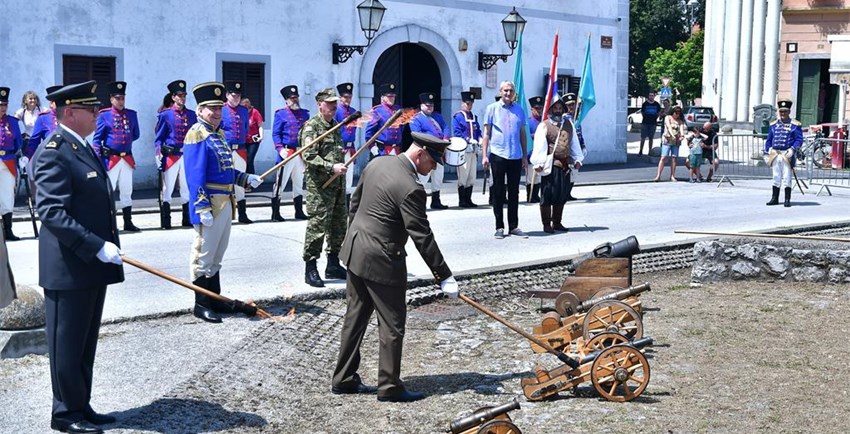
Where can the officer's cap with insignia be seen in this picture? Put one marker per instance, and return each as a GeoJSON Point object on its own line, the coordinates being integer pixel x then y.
{"type": "Point", "coordinates": [387, 89]}
{"type": "Point", "coordinates": [116, 88]}
{"type": "Point", "coordinates": [344, 89]}
{"type": "Point", "coordinates": [435, 147]}
{"type": "Point", "coordinates": [177, 86]}
{"type": "Point", "coordinates": [536, 101]}
{"type": "Point", "coordinates": [79, 93]}
{"type": "Point", "coordinates": [4, 94]}
{"type": "Point", "coordinates": [326, 95]}
{"type": "Point", "coordinates": [289, 91]}
{"type": "Point", "coordinates": [54, 88]}
{"type": "Point", "coordinates": [784, 104]}
{"type": "Point", "coordinates": [426, 98]}
{"type": "Point", "coordinates": [569, 98]}
{"type": "Point", "coordinates": [467, 96]}
{"type": "Point", "coordinates": [210, 93]}
{"type": "Point", "coordinates": [233, 86]}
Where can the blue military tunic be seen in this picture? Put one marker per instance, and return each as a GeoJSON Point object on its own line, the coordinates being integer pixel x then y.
{"type": "Point", "coordinates": [391, 136]}
{"type": "Point", "coordinates": [460, 126]}
{"type": "Point", "coordinates": [45, 124]}
{"type": "Point", "coordinates": [578, 130]}
{"type": "Point", "coordinates": [287, 123]}
{"type": "Point", "coordinates": [113, 139]}
{"type": "Point", "coordinates": [782, 136]}
{"type": "Point", "coordinates": [433, 125]}
{"type": "Point", "coordinates": [234, 122]}
{"type": "Point", "coordinates": [348, 132]}
{"type": "Point", "coordinates": [209, 168]}
{"type": "Point", "coordinates": [10, 142]}
{"type": "Point", "coordinates": [171, 127]}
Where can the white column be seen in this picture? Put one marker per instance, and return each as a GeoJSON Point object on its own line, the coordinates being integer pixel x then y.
{"type": "Point", "coordinates": [732, 52]}
{"type": "Point", "coordinates": [757, 69]}
{"type": "Point", "coordinates": [718, 40]}
{"type": "Point", "coordinates": [771, 53]}
{"type": "Point", "coordinates": [709, 97]}
{"type": "Point", "coordinates": [746, 55]}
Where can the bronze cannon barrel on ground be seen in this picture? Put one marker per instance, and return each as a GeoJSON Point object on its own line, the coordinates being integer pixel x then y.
{"type": "Point", "coordinates": [617, 295]}
{"type": "Point", "coordinates": [625, 248]}
{"type": "Point", "coordinates": [481, 416]}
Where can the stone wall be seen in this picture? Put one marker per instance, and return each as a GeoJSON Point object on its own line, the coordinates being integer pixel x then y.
{"type": "Point", "coordinates": [750, 258]}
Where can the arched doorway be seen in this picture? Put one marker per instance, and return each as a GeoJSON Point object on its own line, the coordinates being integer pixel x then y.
{"type": "Point", "coordinates": [413, 69]}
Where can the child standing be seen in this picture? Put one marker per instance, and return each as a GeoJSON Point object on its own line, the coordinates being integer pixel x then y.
{"type": "Point", "coordinates": [695, 138]}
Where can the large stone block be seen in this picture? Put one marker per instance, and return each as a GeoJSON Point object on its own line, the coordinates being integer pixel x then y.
{"type": "Point", "coordinates": [25, 312]}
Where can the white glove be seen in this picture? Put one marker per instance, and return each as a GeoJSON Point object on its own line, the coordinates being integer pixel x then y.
{"type": "Point", "coordinates": [282, 153]}
{"type": "Point", "coordinates": [206, 218]}
{"type": "Point", "coordinates": [255, 138]}
{"type": "Point", "coordinates": [473, 142]}
{"type": "Point", "coordinates": [22, 162]}
{"type": "Point", "coordinates": [449, 287]}
{"type": "Point", "coordinates": [109, 253]}
{"type": "Point", "coordinates": [374, 150]}
{"type": "Point", "coordinates": [254, 180]}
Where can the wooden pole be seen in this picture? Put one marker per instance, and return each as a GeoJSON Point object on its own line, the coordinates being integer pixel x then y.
{"type": "Point", "coordinates": [352, 117]}
{"type": "Point", "coordinates": [366, 145]}
{"type": "Point", "coordinates": [783, 236]}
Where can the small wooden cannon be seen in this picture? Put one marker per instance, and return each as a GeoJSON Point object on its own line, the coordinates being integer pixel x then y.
{"type": "Point", "coordinates": [613, 316]}
{"type": "Point", "coordinates": [487, 420]}
{"type": "Point", "coordinates": [567, 303]}
{"type": "Point", "coordinates": [619, 373]}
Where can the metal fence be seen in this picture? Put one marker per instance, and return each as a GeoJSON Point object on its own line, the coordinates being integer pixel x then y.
{"type": "Point", "coordinates": [741, 156]}
{"type": "Point", "coordinates": [827, 163]}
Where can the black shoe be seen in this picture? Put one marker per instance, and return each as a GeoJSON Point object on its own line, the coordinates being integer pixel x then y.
{"type": "Point", "coordinates": [243, 215]}
{"type": "Point", "coordinates": [185, 222]}
{"type": "Point", "coordinates": [276, 217]}
{"type": "Point", "coordinates": [206, 314]}
{"type": "Point", "coordinates": [7, 228]}
{"type": "Point", "coordinates": [435, 201]}
{"type": "Point", "coordinates": [787, 197]}
{"type": "Point", "coordinates": [100, 419]}
{"type": "Point", "coordinates": [127, 213]}
{"type": "Point", "coordinates": [334, 270]}
{"type": "Point", "coordinates": [360, 388]}
{"type": "Point", "coordinates": [82, 426]}
{"type": "Point", "coordinates": [165, 215]}
{"type": "Point", "coordinates": [469, 201]}
{"type": "Point", "coordinates": [311, 275]}
{"type": "Point", "coordinates": [405, 396]}
{"type": "Point", "coordinates": [535, 193]}
{"type": "Point", "coordinates": [298, 201]}
{"type": "Point", "coordinates": [774, 198]}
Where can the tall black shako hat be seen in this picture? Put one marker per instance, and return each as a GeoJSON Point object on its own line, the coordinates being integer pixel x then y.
{"type": "Point", "coordinates": [387, 88]}
{"type": "Point", "coordinates": [80, 93]}
{"type": "Point", "coordinates": [289, 91]}
{"type": "Point", "coordinates": [117, 88]}
{"type": "Point", "coordinates": [467, 96]}
{"type": "Point", "coordinates": [4, 94]}
{"type": "Point", "coordinates": [233, 86]}
{"type": "Point", "coordinates": [784, 104]}
{"type": "Point", "coordinates": [344, 89]}
{"type": "Point", "coordinates": [210, 93]}
{"type": "Point", "coordinates": [536, 101]}
{"type": "Point", "coordinates": [426, 98]}
{"type": "Point", "coordinates": [177, 86]}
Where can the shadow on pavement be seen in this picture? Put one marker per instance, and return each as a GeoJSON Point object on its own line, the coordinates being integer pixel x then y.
{"type": "Point", "coordinates": [185, 416]}
{"type": "Point", "coordinates": [483, 384]}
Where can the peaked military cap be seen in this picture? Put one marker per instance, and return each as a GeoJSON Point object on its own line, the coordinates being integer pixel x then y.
{"type": "Point", "coordinates": [326, 95]}
{"type": "Point", "coordinates": [210, 93]}
{"type": "Point", "coordinates": [784, 104]}
{"type": "Point", "coordinates": [467, 96]}
{"type": "Point", "coordinates": [387, 88]}
{"type": "Point", "coordinates": [233, 86]}
{"type": "Point", "coordinates": [569, 98]}
{"type": "Point", "coordinates": [177, 86]}
{"type": "Point", "coordinates": [51, 89]}
{"type": "Point", "coordinates": [80, 93]}
{"type": "Point", "coordinates": [435, 147]}
{"type": "Point", "coordinates": [4, 94]}
{"type": "Point", "coordinates": [289, 91]}
{"type": "Point", "coordinates": [117, 88]}
{"type": "Point", "coordinates": [536, 101]}
{"type": "Point", "coordinates": [345, 89]}
{"type": "Point", "coordinates": [426, 98]}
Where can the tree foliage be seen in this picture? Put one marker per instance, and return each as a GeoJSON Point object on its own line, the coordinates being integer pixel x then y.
{"type": "Point", "coordinates": [683, 64]}
{"type": "Point", "coordinates": [653, 24]}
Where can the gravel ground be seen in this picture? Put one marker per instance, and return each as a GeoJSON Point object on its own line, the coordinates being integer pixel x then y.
{"type": "Point", "coordinates": [729, 357]}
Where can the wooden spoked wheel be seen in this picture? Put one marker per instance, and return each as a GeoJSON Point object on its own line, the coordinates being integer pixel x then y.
{"type": "Point", "coordinates": [566, 304]}
{"type": "Point", "coordinates": [620, 373]}
{"type": "Point", "coordinates": [604, 340]}
{"type": "Point", "coordinates": [612, 316]}
{"type": "Point", "coordinates": [499, 426]}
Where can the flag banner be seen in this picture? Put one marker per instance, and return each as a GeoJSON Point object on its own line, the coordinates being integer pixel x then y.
{"type": "Point", "coordinates": [586, 94]}
{"type": "Point", "coordinates": [519, 82]}
{"type": "Point", "coordinates": [553, 77]}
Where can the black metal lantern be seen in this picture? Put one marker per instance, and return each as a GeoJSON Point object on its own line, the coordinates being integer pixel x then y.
{"type": "Point", "coordinates": [371, 13]}
{"type": "Point", "coordinates": [513, 25]}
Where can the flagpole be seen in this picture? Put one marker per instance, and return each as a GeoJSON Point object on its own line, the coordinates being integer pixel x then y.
{"type": "Point", "coordinates": [553, 75]}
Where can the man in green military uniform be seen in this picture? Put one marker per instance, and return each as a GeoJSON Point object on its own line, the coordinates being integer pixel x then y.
{"type": "Point", "coordinates": [326, 207]}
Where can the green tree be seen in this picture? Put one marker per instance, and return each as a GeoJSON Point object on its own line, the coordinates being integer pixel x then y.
{"type": "Point", "coordinates": [652, 24]}
{"type": "Point", "coordinates": [683, 65]}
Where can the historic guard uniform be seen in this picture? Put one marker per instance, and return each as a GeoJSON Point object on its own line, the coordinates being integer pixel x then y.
{"type": "Point", "coordinates": [536, 104]}
{"type": "Point", "coordinates": [287, 124]}
{"type": "Point", "coordinates": [570, 101]}
{"type": "Point", "coordinates": [388, 142]}
{"type": "Point", "coordinates": [465, 126]}
{"type": "Point", "coordinates": [79, 255]}
{"type": "Point", "coordinates": [784, 138]}
{"type": "Point", "coordinates": [234, 122]}
{"type": "Point", "coordinates": [10, 144]}
{"type": "Point", "coordinates": [211, 179]}
{"type": "Point", "coordinates": [171, 127]}
{"type": "Point", "coordinates": [433, 124]}
{"type": "Point", "coordinates": [117, 129]}
{"type": "Point", "coordinates": [349, 133]}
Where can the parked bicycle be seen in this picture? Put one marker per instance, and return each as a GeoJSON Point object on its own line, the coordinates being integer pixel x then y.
{"type": "Point", "coordinates": [819, 150]}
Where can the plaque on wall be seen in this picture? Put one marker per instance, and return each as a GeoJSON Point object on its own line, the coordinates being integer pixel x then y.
{"type": "Point", "coordinates": [607, 41]}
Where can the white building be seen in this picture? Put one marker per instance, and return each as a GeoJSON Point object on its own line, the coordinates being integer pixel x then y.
{"type": "Point", "coordinates": [424, 45]}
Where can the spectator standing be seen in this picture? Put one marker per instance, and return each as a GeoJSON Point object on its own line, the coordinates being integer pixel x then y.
{"type": "Point", "coordinates": [709, 149]}
{"type": "Point", "coordinates": [695, 139]}
{"type": "Point", "coordinates": [649, 111]}
{"type": "Point", "coordinates": [255, 132]}
{"type": "Point", "coordinates": [28, 113]}
{"type": "Point", "coordinates": [674, 132]}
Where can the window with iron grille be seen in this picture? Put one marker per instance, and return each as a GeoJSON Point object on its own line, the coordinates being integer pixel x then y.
{"type": "Point", "coordinates": [253, 78]}
{"type": "Point", "coordinates": [77, 69]}
{"type": "Point", "coordinates": [566, 84]}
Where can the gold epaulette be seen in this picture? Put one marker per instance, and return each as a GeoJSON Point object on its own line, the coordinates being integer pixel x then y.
{"type": "Point", "coordinates": [197, 134]}
{"type": "Point", "coordinates": [774, 122]}
{"type": "Point", "coordinates": [796, 122]}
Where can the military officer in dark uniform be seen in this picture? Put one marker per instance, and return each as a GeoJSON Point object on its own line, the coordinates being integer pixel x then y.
{"type": "Point", "coordinates": [211, 178]}
{"type": "Point", "coordinates": [387, 207]}
{"type": "Point", "coordinates": [79, 254]}
{"type": "Point", "coordinates": [234, 122]}
{"type": "Point", "coordinates": [389, 140]}
{"type": "Point", "coordinates": [10, 144]}
{"type": "Point", "coordinates": [349, 132]}
{"type": "Point", "coordinates": [784, 138]}
{"type": "Point", "coordinates": [117, 129]}
{"type": "Point", "coordinates": [171, 127]}
{"type": "Point", "coordinates": [535, 105]}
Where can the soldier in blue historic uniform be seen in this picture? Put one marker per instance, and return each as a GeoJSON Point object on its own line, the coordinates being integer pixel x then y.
{"type": "Point", "coordinates": [535, 105]}
{"type": "Point", "coordinates": [348, 133]}
{"type": "Point", "coordinates": [465, 126]}
{"type": "Point", "coordinates": [784, 138]}
{"type": "Point", "coordinates": [211, 178]}
{"type": "Point", "coordinates": [234, 123]}
{"type": "Point", "coordinates": [79, 254]}
{"type": "Point", "coordinates": [388, 143]}
{"type": "Point", "coordinates": [45, 123]}
{"type": "Point", "coordinates": [427, 121]}
{"type": "Point", "coordinates": [287, 123]}
{"type": "Point", "coordinates": [117, 129]}
{"type": "Point", "coordinates": [570, 101]}
{"type": "Point", "coordinates": [10, 144]}
{"type": "Point", "coordinates": [171, 127]}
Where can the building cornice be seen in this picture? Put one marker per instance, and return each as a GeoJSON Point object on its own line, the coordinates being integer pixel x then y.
{"type": "Point", "coordinates": [824, 10]}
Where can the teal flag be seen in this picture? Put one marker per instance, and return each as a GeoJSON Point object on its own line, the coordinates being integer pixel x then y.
{"type": "Point", "coordinates": [585, 91]}
{"type": "Point", "coordinates": [520, 88]}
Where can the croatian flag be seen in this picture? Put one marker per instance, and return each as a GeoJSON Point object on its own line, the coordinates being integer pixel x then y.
{"type": "Point", "coordinates": [552, 87]}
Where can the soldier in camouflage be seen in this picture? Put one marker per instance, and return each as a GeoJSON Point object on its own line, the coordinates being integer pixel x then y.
{"type": "Point", "coordinates": [326, 208]}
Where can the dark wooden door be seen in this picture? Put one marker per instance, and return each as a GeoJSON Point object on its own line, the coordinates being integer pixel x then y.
{"type": "Point", "coordinates": [253, 78]}
{"type": "Point", "coordinates": [808, 89]}
{"type": "Point", "coordinates": [413, 69]}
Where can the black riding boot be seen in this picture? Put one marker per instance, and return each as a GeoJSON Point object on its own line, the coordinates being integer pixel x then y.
{"type": "Point", "coordinates": [127, 213]}
{"type": "Point", "coordinates": [787, 197]}
{"type": "Point", "coordinates": [570, 192]}
{"type": "Point", "coordinates": [334, 269]}
{"type": "Point", "coordinates": [469, 201]}
{"type": "Point", "coordinates": [165, 215]}
{"type": "Point", "coordinates": [535, 193]}
{"type": "Point", "coordinates": [276, 217]}
{"type": "Point", "coordinates": [461, 197]}
{"type": "Point", "coordinates": [7, 228]}
{"type": "Point", "coordinates": [215, 286]}
{"type": "Point", "coordinates": [774, 199]}
{"type": "Point", "coordinates": [435, 201]}
{"type": "Point", "coordinates": [546, 218]}
{"type": "Point", "coordinates": [243, 215]}
{"type": "Point", "coordinates": [186, 223]}
{"type": "Point", "coordinates": [298, 201]}
{"type": "Point", "coordinates": [203, 304]}
{"type": "Point", "coordinates": [311, 275]}
{"type": "Point", "coordinates": [557, 214]}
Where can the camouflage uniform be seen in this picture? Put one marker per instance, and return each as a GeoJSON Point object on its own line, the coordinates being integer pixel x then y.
{"type": "Point", "coordinates": [326, 206]}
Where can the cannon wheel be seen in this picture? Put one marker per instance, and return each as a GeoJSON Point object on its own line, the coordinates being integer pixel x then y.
{"type": "Point", "coordinates": [499, 426]}
{"type": "Point", "coordinates": [566, 304]}
{"type": "Point", "coordinates": [612, 316]}
{"type": "Point", "coordinates": [620, 373]}
{"type": "Point", "coordinates": [604, 340]}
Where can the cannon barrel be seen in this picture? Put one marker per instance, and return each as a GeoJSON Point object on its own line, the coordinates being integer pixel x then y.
{"type": "Point", "coordinates": [479, 417]}
{"type": "Point", "coordinates": [619, 295]}
{"type": "Point", "coordinates": [624, 248]}
{"type": "Point", "coordinates": [637, 343]}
